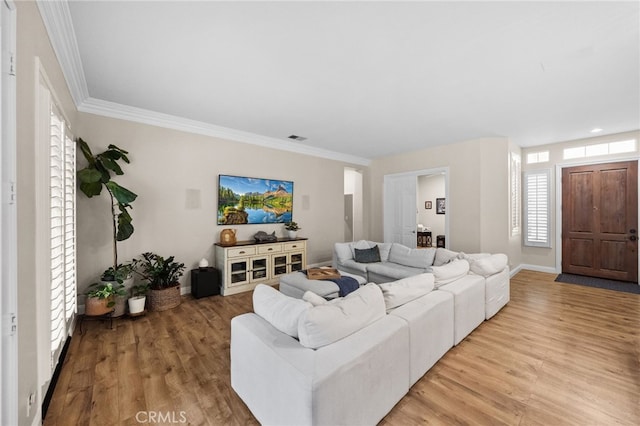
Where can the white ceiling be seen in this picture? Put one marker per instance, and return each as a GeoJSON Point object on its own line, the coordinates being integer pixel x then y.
{"type": "Point", "coordinates": [361, 79]}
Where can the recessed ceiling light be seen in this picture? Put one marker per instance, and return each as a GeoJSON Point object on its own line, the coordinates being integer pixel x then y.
{"type": "Point", "coordinates": [596, 130]}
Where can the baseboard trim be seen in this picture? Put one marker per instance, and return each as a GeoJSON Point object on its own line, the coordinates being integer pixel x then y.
{"type": "Point", "coordinates": [536, 268]}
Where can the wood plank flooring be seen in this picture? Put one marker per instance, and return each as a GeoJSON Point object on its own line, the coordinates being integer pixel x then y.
{"type": "Point", "coordinates": [557, 354]}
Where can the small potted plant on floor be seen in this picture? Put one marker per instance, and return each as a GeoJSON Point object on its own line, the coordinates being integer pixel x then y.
{"type": "Point", "coordinates": [162, 275]}
{"type": "Point", "coordinates": [101, 298]}
{"type": "Point", "coordinates": [138, 298]}
{"type": "Point", "coordinates": [292, 229]}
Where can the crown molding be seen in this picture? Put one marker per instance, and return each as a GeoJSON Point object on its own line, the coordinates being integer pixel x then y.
{"type": "Point", "coordinates": [57, 20]}
{"type": "Point", "coordinates": [139, 115]}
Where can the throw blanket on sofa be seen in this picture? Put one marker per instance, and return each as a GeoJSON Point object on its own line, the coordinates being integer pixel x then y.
{"type": "Point", "coordinates": [345, 284]}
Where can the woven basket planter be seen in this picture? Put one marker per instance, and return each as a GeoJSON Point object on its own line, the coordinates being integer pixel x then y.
{"type": "Point", "coordinates": [167, 298]}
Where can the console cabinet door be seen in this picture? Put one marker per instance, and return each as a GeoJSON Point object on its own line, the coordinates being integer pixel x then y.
{"type": "Point", "coordinates": [259, 268]}
{"type": "Point", "coordinates": [296, 262]}
{"type": "Point", "coordinates": [238, 272]}
{"type": "Point", "coordinates": [279, 264]}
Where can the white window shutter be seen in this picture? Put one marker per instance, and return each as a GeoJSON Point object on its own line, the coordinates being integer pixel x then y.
{"type": "Point", "coordinates": [537, 209]}
{"type": "Point", "coordinates": [62, 232]}
{"type": "Point", "coordinates": [514, 198]}
{"type": "Point", "coordinates": [70, 228]}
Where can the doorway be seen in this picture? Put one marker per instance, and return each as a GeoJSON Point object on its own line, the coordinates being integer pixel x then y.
{"type": "Point", "coordinates": [353, 205]}
{"type": "Point", "coordinates": [403, 203]}
{"type": "Point", "coordinates": [600, 220]}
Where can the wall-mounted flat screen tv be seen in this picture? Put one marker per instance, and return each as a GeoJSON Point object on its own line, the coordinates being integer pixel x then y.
{"type": "Point", "coordinates": [246, 200]}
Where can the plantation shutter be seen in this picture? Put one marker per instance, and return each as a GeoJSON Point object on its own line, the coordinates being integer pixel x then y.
{"type": "Point", "coordinates": [70, 227]}
{"type": "Point", "coordinates": [537, 208]}
{"type": "Point", "coordinates": [514, 196]}
{"type": "Point", "coordinates": [62, 231]}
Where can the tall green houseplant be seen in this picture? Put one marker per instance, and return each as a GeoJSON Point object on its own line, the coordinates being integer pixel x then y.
{"type": "Point", "coordinates": [96, 176]}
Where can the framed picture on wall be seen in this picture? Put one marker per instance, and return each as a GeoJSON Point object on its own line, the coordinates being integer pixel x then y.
{"type": "Point", "coordinates": [427, 205]}
{"type": "Point", "coordinates": [440, 205]}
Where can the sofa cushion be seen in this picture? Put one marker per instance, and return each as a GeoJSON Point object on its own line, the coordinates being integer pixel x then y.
{"type": "Point", "coordinates": [324, 324]}
{"type": "Point", "coordinates": [354, 267]}
{"type": "Point", "coordinates": [417, 258]}
{"type": "Point", "coordinates": [487, 266]}
{"type": "Point", "coordinates": [392, 271]}
{"type": "Point", "coordinates": [472, 256]}
{"type": "Point", "coordinates": [384, 249]}
{"type": "Point", "coordinates": [281, 311]}
{"type": "Point", "coordinates": [450, 272]}
{"type": "Point", "coordinates": [397, 293]}
{"type": "Point", "coordinates": [370, 255]}
{"type": "Point", "coordinates": [343, 252]}
{"type": "Point", "coordinates": [314, 299]}
{"type": "Point", "coordinates": [444, 256]}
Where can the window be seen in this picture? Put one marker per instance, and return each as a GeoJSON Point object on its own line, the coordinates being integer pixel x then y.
{"type": "Point", "coordinates": [537, 157]}
{"type": "Point", "coordinates": [619, 147]}
{"type": "Point", "coordinates": [55, 228]}
{"type": "Point", "coordinates": [537, 208]}
{"type": "Point", "coordinates": [62, 160]}
{"type": "Point", "coordinates": [514, 196]}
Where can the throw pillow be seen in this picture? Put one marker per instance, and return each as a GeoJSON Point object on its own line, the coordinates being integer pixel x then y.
{"type": "Point", "coordinates": [371, 255]}
{"type": "Point", "coordinates": [314, 299]}
{"type": "Point", "coordinates": [324, 324]}
{"type": "Point", "coordinates": [450, 272]}
{"type": "Point", "coordinates": [279, 310]}
{"type": "Point", "coordinates": [361, 245]}
{"type": "Point", "coordinates": [487, 266]}
{"type": "Point", "coordinates": [397, 293]}
{"type": "Point", "coordinates": [444, 256]}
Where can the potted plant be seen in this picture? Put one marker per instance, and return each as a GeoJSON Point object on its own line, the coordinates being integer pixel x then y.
{"type": "Point", "coordinates": [96, 176]}
{"type": "Point", "coordinates": [138, 298]}
{"type": "Point", "coordinates": [292, 229]}
{"type": "Point", "coordinates": [122, 275]}
{"type": "Point", "coordinates": [162, 275]}
{"type": "Point", "coordinates": [101, 298]}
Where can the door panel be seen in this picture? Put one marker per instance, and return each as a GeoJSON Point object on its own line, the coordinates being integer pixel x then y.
{"type": "Point", "coordinates": [400, 212]}
{"type": "Point", "coordinates": [348, 217]}
{"type": "Point", "coordinates": [600, 219]}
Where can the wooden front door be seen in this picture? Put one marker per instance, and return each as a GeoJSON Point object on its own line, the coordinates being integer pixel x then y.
{"type": "Point", "coordinates": [600, 220]}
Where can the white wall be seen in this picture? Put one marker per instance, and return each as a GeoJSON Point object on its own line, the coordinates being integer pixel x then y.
{"type": "Point", "coordinates": [429, 188]}
{"type": "Point", "coordinates": [175, 175]}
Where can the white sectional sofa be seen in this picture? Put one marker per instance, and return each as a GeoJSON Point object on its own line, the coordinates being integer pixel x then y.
{"type": "Point", "coordinates": [350, 360]}
{"type": "Point", "coordinates": [397, 261]}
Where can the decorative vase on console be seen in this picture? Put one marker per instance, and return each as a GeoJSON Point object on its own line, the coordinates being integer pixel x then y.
{"type": "Point", "coordinates": [292, 229]}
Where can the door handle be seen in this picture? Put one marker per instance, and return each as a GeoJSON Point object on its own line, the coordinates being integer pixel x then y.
{"type": "Point", "coordinates": [633, 238]}
{"type": "Point", "coordinates": [632, 231]}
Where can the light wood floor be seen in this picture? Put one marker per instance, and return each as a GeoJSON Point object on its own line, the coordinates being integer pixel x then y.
{"type": "Point", "coordinates": [557, 354]}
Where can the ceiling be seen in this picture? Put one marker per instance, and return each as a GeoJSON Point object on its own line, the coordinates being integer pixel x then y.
{"type": "Point", "coordinates": [359, 80]}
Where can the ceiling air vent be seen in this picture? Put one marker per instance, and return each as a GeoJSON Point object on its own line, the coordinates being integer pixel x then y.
{"type": "Point", "coordinates": [297, 138]}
